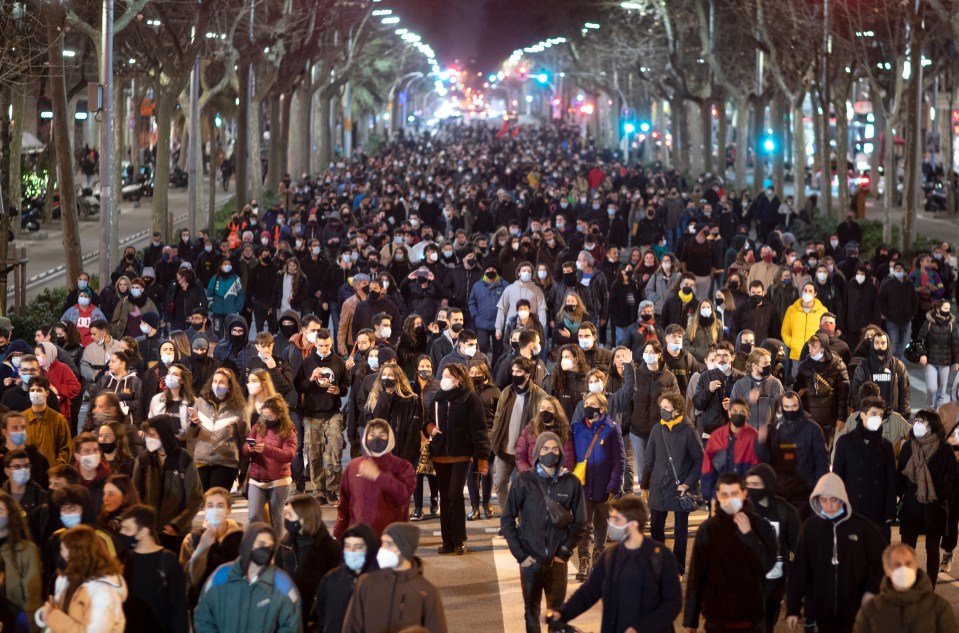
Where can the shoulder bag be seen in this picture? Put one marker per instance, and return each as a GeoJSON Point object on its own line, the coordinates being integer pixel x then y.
{"type": "Point", "coordinates": [580, 469]}
{"type": "Point", "coordinates": [559, 515]}
{"type": "Point", "coordinates": [691, 500]}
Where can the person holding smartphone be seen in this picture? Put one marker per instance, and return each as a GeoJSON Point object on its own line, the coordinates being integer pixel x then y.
{"type": "Point", "coordinates": [271, 447]}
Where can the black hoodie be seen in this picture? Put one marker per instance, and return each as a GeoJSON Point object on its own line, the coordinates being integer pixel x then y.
{"type": "Point", "coordinates": [779, 512]}
{"type": "Point", "coordinates": [336, 588]}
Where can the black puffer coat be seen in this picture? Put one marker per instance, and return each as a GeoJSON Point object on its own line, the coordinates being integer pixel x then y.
{"type": "Point", "coordinates": [650, 385]}
{"type": "Point", "coordinates": [826, 385]}
{"type": "Point", "coordinates": [941, 338]}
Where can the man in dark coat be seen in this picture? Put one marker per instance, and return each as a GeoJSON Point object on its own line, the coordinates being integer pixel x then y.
{"type": "Point", "coordinates": [759, 314]}
{"type": "Point", "coordinates": [823, 383]}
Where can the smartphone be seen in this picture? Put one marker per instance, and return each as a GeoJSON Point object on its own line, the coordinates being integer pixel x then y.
{"type": "Point", "coordinates": [250, 442]}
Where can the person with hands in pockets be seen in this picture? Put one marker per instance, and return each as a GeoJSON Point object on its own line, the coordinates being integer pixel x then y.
{"type": "Point", "coordinates": [542, 546]}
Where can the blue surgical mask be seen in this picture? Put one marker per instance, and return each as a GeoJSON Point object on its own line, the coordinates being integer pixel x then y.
{"type": "Point", "coordinates": [19, 439]}
{"type": "Point", "coordinates": [21, 476]}
{"type": "Point", "coordinates": [70, 520]}
{"type": "Point", "coordinates": [220, 391]}
{"type": "Point", "coordinates": [373, 362]}
{"type": "Point", "coordinates": [354, 560]}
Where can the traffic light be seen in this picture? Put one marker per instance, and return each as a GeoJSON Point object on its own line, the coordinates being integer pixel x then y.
{"type": "Point", "coordinates": [769, 144]}
{"type": "Point", "coordinates": [542, 77]}
{"type": "Point", "coordinates": [644, 127]}
{"type": "Point", "coordinates": [629, 128]}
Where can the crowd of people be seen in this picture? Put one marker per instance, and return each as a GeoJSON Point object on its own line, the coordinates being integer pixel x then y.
{"type": "Point", "coordinates": [601, 345]}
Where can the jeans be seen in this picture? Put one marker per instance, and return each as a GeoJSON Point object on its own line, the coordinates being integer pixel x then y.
{"type": "Point", "coordinates": [323, 447]}
{"type": "Point", "coordinates": [334, 316]}
{"type": "Point", "coordinates": [639, 448]}
{"type": "Point", "coordinates": [487, 343]}
{"type": "Point", "coordinates": [899, 335]}
{"type": "Point", "coordinates": [258, 498]}
{"type": "Point", "coordinates": [657, 530]}
{"type": "Point", "coordinates": [418, 491]}
{"type": "Point", "coordinates": [451, 479]}
{"type": "Point", "coordinates": [597, 514]}
{"type": "Point", "coordinates": [475, 481]}
{"type": "Point", "coordinates": [217, 476]}
{"type": "Point", "coordinates": [502, 469]}
{"type": "Point", "coordinates": [620, 336]}
{"type": "Point", "coordinates": [937, 381]}
{"type": "Point", "coordinates": [537, 579]}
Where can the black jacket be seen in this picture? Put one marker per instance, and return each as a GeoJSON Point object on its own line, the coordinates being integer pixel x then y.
{"type": "Point", "coordinates": [864, 461]}
{"type": "Point", "coordinates": [728, 569]}
{"type": "Point", "coordinates": [711, 402]}
{"type": "Point", "coordinates": [776, 510]}
{"type": "Point", "coordinates": [762, 318]}
{"type": "Point", "coordinates": [307, 559]}
{"type": "Point", "coordinates": [459, 415]}
{"type": "Point", "coordinates": [824, 386]}
{"type": "Point", "coordinates": [926, 518]}
{"type": "Point", "coordinates": [458, 283]}
{"type": "Point", "coordinates": [649, 386]}
{"type": "Point", "coordinates": [831, 594]}
{"type": "Point", "coordinates": [941, 338]}
{"type": "Point", "coordinates": [405, 416]}
{"type": "Point", "coordinates": [525, 520]}
{"type": "Point", "coordinates": [660, 592]}
{"type": "Point", "coordinates": [859, 309]}
{"type": "Point", "coordinates": [317, 399]}
{"type": "Point", "coordinates": [891, 376]}
{"type": "Point", "coordinates": [261, 283]}
{"type": "Point", "coordinates": [898, 300]}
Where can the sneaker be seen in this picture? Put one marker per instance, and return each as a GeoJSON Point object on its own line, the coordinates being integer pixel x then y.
{"type": "Point", "coordinates": [946, 562]}
{"type": "Point", "coordinates": [434, 507]}
{"type": "Point", "coordinates": [444, 550]}
{"type": "Point", "coordinates": [332, 498]}
{"type": "Point", "coordinates": [416, 515]}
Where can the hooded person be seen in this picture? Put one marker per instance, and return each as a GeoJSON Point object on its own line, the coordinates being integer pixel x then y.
{"type": "Point", "coordinates": [167, 480]}
{"type": "Point", "coordinates": [761, 487]}
{"type": "Point", "coordinates": [397, 595]}
{"type": "Point", "coordinates": [376, 487]}
{"type": "Point", "coordinates": [61, 377]}
{"type": "Point", "coordinates": [251, 593]}
{"type": "Point", "coordinates": [288, 324]}
{"type": "Point", "coordinates": [838, 564]}
{"type": "Point", "coordinates": [540, 546]}
{"type": "Point", "coordinates": [907, 600]}
{"type": "Point", "coordinates": [359, 546]}
{"type": "Point", "coordinates": [236, 348]}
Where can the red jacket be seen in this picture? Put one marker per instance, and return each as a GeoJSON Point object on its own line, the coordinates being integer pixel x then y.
{"type": "Point", "coordinates": [379, 502]}
{"type": "Point", "coordinates": [66, 384]}
{"type": "Point", "coordinates": [717, 460]}
{"type": "Point", "coordinates": [527, 442]}
{"type": "Point", "coordinates": [274, 462]}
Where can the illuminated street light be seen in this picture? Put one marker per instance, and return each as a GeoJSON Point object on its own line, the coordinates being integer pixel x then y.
{"type": "Point", "coordinates": [391, 20]}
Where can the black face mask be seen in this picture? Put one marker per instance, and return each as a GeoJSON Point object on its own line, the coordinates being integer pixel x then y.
{"type": "Point", "coordinates": [261, 555]}
{"type": "Point", "coordinates": [767, 371]}
{"type": "Point", "coordinates": [61, 340]}
{"type": "Point", "coordinates": [792, 416]}
{"type": "Point", "coordinates": [456, 328]}
{"type": "Point", "coordinates": [196, 326]}
{"type": "Point", "coordinates": [271, 424]}
{"type": "Point", "coordinates": [758, 497]}
{"type": "Point", "coordinates": [126, 542]}
{"type": "Point", "coordinates": [550, 460]}
{"type": "Point", "coordinates": [108, 448]}
{"type": "Point", "coordinates": [520, 381]}
{"type": "Point", "coordinates": [373, 296]}
{"type": "Point", "coordinates": [755, 299]}
{"type": "Point", "coordinates": [738, 420]}
{"type": "Point", "coordinates": [745, 348]}
{"type": "Point", "coordinates": [645, 318]}
{"type": "Point", "coordinates": [237, 339]}
{"type": "Point", "coordinates": [547, 417]}
{"type": "Point", "coordinates": [442, 325]}
{"type": "Point", "coordinates": [388, 383]}
{"type": "Point", "coordinates": [376, 445]}
{"type": "Point", "coordinates": [292, 527]}
{"type": "Point", "coordinates": [288, 329]}
{"type": "Point", "coordinates": [514, 345]}
{"type": "Point", "coordinates": [734, 285]}
{"type": "Point", "coordinates": [569, 279]}
{"type": "Point", "coordinates": [667, 415]}
{"type": "Point", "coordinates": [591, 413]}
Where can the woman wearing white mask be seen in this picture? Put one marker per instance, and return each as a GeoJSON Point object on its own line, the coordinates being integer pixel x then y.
{"type": "Point", "coordinates": [167, 479]}
{"type": "Point", "coordinates": [177, 398]}
{"type": "Point", "coordinates": [154, 378]}
{"type": "Point", "coordinates": [130, 308]}
{"type": "Point", "coordinates": [927, 477]}
{"type": "Point", "coordinates": [217, 541]}
{"type": "Point", "coordinates": [260, 387]}
{"type": "Point", "coordinates": [704, 330]}
{"type": "Point", "coordinates": [219, 427]}
{"type": "Point", "coordinates": [568, 382]}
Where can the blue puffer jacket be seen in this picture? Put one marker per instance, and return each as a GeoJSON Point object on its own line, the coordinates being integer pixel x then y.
{"type": "Point", "coordinates": [225, 294]}
{"type": "Point", "coordinates": [607, 462]}
{"type": "Point", "coordinates": [484, 298]}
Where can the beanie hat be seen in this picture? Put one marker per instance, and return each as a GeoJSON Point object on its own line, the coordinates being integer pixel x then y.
{"type": "Point", "coordinates": [544, 437]}
{"type": "Point", "coordinates": [384, 355]}
{"type": "Point", "coordinates": [406, 536]}
{"type": "Point", "coordinates": [152, 319]}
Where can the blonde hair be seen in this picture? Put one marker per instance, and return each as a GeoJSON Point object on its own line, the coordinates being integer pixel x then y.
{"type": "Point", "coordinates": [263, 376]}
{"type": "Point", "coordinates": [403, 388]}
{"type": "Point", "coordinates": [715, 330]}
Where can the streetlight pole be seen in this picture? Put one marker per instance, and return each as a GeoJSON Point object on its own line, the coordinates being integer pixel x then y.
{"type": "Point", "coordinates": [195, 147]}
{"type": "Point", "coordinates": [106, 142]}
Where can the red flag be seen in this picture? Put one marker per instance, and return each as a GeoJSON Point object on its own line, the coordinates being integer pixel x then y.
{"type": "Point", "coordinates": [515, 132]}
{"type": "Point", "coordinates": [503, 130]}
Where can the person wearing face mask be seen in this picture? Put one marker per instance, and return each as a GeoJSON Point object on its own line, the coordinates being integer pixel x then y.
{"type": "Point", "coordinates": [397, 595]}
{"type": "Point", "coordinates": [801, 321]}
{"type": "Point", "coordinates": [646, 328]}
{"type": "Point", "coordinates": [941, 338]}
{"type": "Point", "coordinates": [714, 388]}
{"type": "Point", "coordinates": [83, 313]}
{"type": "Point", "coordinates": [359, 551]}
{"type": "Point", "coordinates": [483, 300]}
{"type": "Point", "coordinates": [259, 287]}
{"type": "Point", "coordinates": [758, 314]}
{"type": "Point", "coordinates": [549, 418]}
{"type": "Point", "coordinates": [823, 381]}
{"type": "Point", "coordinates": [70, 506]}
{"type": "Point", "coordinates": [522, 288]}
{"type": "Point", "coordinates": [861, 305]}
{"type": "Point", "coordinates": [730, 448]}
{"type": "Point", "coordinates": [218, 426]}
{"type": "Point", "coordinates": [307, 550]}
{"type": "Point", "coordinates": [794, 445]}
{"type": "Point", "coordinates": [733, 551]}
{"type": "Point", "coordinates": [887, 371]}
{"type": "Point", "coordinates": [376, 487]}
{"type": "Point", "coordinates": [898, 305]}
{"type": "Point", "coordinates": [270, 447]}
{"type": "Point", "coordinates": [906, 594]}
{"type": "Point", "coordinates": [927, 478]}
{"type": "Point", "coordinates": [62, 380]}
{"type": "Point", "coordinates": [19, 557]}
{"type": "Point", "coordinates": [465, 352]}
{"type": "Point", "coordinates": [93, 469]}
{"type": "Point", "coordinates": [157, 585]}
{"type": "Point", "coordinates": [838, 564]}
{"type": "Point", "coordinates": [22, 487]}
{"type": "Point", "coordinates": [130, 310]}
{"type": "Point", "coordinates": [252, 592]}
{"type": "Point", "coordinates": [540, 545]}
{"type": "Point", "coordinates": [225, 295]}
{"type": "Point", "coordinates": [864, 460]}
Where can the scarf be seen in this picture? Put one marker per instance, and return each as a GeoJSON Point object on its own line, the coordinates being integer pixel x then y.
{"type": "Point", "coordinates": [669, 425]}
{"type": "Point", "coordinates": [917, 468]}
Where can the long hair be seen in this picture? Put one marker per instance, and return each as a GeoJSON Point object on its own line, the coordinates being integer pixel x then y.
{"type": "Point", "coordinates": [122, 452]}
{"type": "Point", "coordinates": [562, 382]}
{"type": "Point", "coordinates": [186, 387]}
{"type": "Point", "coordinates": [310, 512]}
{"type": "Point", "coordinates": [17, 529]}
{"type": "Point", "coordinates": [278, 406]}
{"type": "Point", "coordinates": [234, 399]}
{"type": "Point", "coordinates": [298, 277]}
{"type": "Point", "coordinates": [577, 314]}
{"type": "Point", "coordinates": [559, 418]}
{"type": "Point", "coordinates": [89, 558]}
{"type": "Point", "coordinates": [403, 388]}
{"type": "Point", "coordinates": [182, 343]}
{"type": "Point", "coordinates": [263, 376]}
{"type": "Point", "coordinates": [693, 328]}
{"type": "Point", "coordinates": [125, 485]}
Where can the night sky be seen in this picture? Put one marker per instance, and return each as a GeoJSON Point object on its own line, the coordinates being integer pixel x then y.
{"type": "Point", "coordinates": [483, 33]}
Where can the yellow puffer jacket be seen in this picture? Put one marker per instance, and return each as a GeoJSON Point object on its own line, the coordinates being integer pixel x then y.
{"type": "Point", "coordinates": [799, 325]}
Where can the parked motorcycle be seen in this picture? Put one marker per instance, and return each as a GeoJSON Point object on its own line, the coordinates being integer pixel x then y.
{"type": "Point", "coordinates": [179, 177]}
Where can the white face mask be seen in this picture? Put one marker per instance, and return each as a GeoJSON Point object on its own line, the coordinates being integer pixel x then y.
{"type": "Point", "coordinates": [860, 279]}
{"type": "Point", "coordinates": [731, 506]}
{"type": "Point", "coordinates": [919, 429]}
{"type": "Point", "coordinates": [387, 559]}
{"type": "Point", "coordinates": [90, 462]}
{"type": "Point", "coordinates": [650, 359]}
{"type": "Point", "coordinates": [903, 577]}
{"type": "Point", "coordinates": [253, 388]}
{"type": "Point", "coordinates": [523, 314]}
{"type": "Point", "coordinates": [311, 337]}
{"type": "Point", "coordinates": [706, 313]}
{"type": "Point", "coordinates": [172, 382]}
{"type": "Point", "coordinates": [214, 516]}
{"type": "Point", "coordinates": [822, 277]}
{"type": "Point", "coordinates": [153, 444]}
{"type": "Point", "coordinates": [446, 384]}
{"type": "Point", "coordinates": [145, 328]}
{"type": "Point", "coordinates": [386, 332]}
{"type": "Point", "coordinates": [596, 387]}
{"type": "Point", "coordinates": [873, 422]}
{"type": "Point", "coordinates": [807, 297]}
{"type": "Point", "coordinates": [567, 364]}
{"type": "Point", "coordinates": [166, 359]}
{"type": "Point", "coordinates": [469, 351]}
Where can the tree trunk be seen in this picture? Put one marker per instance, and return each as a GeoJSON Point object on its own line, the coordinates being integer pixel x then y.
{"type": "Point", "coordinates": [694, 127]}
{"type": "Point", "coordinates": [912, 191]}
{"type": "Point", "coordinates": [677, 108]}
{"type": "Point", "coordinates": [256, 138]}
{"type": "Point", "coordinates": [799, 153]}
{"type": "Point", "coordinates": [875, 158]}
{"type": "Point", "coordinates": [285, 114]}
{"type": "Point", "coordinates": [7, 159]}
{"type": "Point", "coordinates": [840, 94]}
{"type": "Point", "coordinates": [241, 149]}
{"type": "Point", "coordinates": [759, 156]}
{"type": "Point", "coordinates": [706, 132]}
{"type": "Point", "coordinates": [825, 159]}
{"type": "Point", "coordinates": [274, 166]}
{"type": "Point", "coordinates": [54, 17]}
{"type": "Point", "coordinates": [722, 131]}
{"type": "Point", "coordinates": [303, 155]}
{"type": "Point", "coordinates": [15, 185]}
{"type": "Point", "coordinates": [742, 140]}
{"type": "Point", "coordinates": [214, 170]}
{"type": "Point", "coordinates": [891, 177]}
{"type": "Point", "coordinates": [120, 124]}
{"type": "Point", "coordinates": [160, 219]}
{"type": "Point", "coordinates": [325, 141]}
